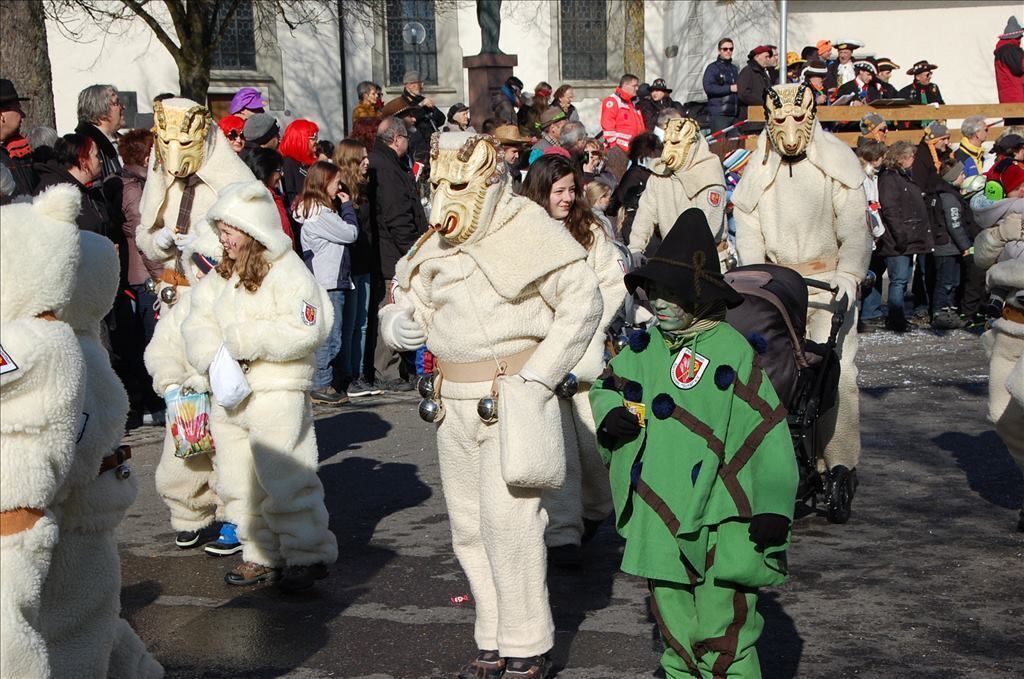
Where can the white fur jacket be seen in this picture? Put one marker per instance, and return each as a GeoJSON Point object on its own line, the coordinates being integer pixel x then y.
{"type": "Point", "coordinates": [1003, 273]}
{"type": "Point", "coordinates": [805, 211]}
{"type": "Point", "coordinates": [522, 281]}
{"type": "Point", "coordinates": [276, 329]}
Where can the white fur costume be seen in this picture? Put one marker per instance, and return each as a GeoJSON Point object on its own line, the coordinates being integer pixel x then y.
{"type": "Point", "coordinates": [813, 210]}
{"type": "Point", "coordinates": [1004, 342]}
{"type": "Point", "coordinates": [41, 384]}
{"type": "Point", "coordinates": [266, 449]}
{"type": "Point", "coordinates": [82, 594]}
{"type": "Point", "coordinates": [699, 183]}
{"type": "Point", "coordinates": [587, 493]}
{"type": "Point", "coordinates": [187, 486]}
{"type": "Point", "coordinates": [478, 302]}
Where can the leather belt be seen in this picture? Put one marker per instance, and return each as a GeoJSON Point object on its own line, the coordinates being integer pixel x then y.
{"type": "Point", "coordinates": [17, 520]}
{"type": "Point", "coordinates": [1014, 314]}
{"type": "Point", "coordinates": [813, 267]}
{"type": "Point", "coordinates": [173, 277]}
{"type": "Point", "coordinates": [47, 316]}
{"type": "Point", "coordinates": [483, 371]}
{"type": "Point", "coordinates": [116, 459]}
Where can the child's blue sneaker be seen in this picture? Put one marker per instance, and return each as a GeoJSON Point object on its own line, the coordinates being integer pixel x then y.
{"type": "Point", "coordinates": [225, 545]}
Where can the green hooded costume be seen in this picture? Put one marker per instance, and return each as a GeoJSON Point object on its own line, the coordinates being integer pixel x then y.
{"type": "Point", "coordinates": [713, 452]}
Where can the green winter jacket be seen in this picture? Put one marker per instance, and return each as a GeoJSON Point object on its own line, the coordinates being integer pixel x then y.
{"type": "Point", "coordinates": [715, 451]}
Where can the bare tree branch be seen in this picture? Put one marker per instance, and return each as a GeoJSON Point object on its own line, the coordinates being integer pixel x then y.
{"type": "Point", "coordinates": [155, 26]}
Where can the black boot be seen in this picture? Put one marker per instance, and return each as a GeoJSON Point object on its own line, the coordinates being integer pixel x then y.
{"type": "Point", "coordinates": [486, 665]}
{"type": "Point", "coordinates": [535, 667]}
{"type": "Point", "coordinates": [298, 578]}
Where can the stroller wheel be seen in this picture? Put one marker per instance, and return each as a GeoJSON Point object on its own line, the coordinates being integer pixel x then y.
{"type": "Point", "coordinates": [842, 483]}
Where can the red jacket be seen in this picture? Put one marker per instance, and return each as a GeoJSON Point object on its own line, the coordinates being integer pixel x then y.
{"type": "Point", "coordinates": [1009, 71]}
{"type": "Point", "coordinates": [620, 120]}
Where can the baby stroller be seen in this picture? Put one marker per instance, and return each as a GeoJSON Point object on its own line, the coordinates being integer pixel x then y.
{"type": "Point", "coordinates": [805, 374]}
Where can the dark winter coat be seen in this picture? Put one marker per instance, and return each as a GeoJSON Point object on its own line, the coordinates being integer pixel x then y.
{"type": "Point", "coordinates": [626, 196]}
{"type": "Point", "coordinates": [928, 94]}
{"type": "Point", "coordinates": [871, 93]}
{"type": "Point", "coordinates": [111, 162]}
{"type": "Point", "coordinates": [951, 237]}
{"type": "Point", "coordinates": [888, 90]}
{"type": "Point", "coordinates": [752, 83]}
{"type": "Point", "coordinates": [430, 120]}
{"type": "Point", "coordinates": [20, 165]}
{"type": "Point", "coordinates": [923, 170]}
{"type": "Point", "coordinates": [651, 109]}
{"type": "Point", "coordinates": [396, 214]}
{"type": "Point", "coordinates": [1009, 71]}
{"type": "Point", "coordinates": [718, 76]}
{"type": "Point", "coordinates": [908, 228]}
{"type": "Point", "coordinates": [503, 106]}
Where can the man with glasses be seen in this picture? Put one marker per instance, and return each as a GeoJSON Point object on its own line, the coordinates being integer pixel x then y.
{"type": "Point", "coordinates": [720, 86]}
{"type": "Point", "coordinates": [100, 116]}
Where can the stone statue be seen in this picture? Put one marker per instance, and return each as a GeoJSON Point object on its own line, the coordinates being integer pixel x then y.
{"type": "Point", "coordinates": [488, 15]}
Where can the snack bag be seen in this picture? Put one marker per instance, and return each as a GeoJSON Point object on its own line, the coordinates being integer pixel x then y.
{"type": "Point", "coordinates": [189, 415]}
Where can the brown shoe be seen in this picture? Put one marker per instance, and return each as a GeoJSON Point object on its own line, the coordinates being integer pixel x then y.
{"type": "Point", "coordinates": [535, 667]}
{"type": "Point", "coordinates": [251, 573]}
{"type": "Point", "coordinates": [486, 665]}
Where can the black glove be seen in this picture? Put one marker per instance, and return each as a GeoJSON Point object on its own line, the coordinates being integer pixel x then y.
{"type": "Point", "coordinates": [768, 530]}
{"type": "Point", "coordinates": [617, 427]}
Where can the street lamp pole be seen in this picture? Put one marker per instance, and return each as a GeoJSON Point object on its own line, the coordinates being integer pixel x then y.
{"type": "Point", "coordinates": [783, 51]}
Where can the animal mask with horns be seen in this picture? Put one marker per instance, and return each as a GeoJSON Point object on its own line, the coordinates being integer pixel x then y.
{"type": "Point", "coordinates": [467, 174]}
{"type": "Point", "coordinates": [181, 135]}
{"type": "Point", "coordinates": [790, 111]}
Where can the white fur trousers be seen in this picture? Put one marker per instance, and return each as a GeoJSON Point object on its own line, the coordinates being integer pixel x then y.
{"type": "Point", "coordinates": [1005, 352]}
{"type": "Point", "coordinates": [24, 562]}
{"type": "Point", "coordinates": [497, 535]}
{"type": "Point", "coordinates": [187, 487]}
{"type": "Point", "coordinates": [842, 424]}
{"type": "Point", "coordinates": [267, 461]}
{"type": "Point", "coordinates": [587, 493]}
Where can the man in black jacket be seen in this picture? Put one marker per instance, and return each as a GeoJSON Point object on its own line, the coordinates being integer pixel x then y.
{"type": "Point", "coordinates": [100, 116]}
{"type": "Point", "coordinates": [428, 118]}
{"type": "Point", "coordinates": [720, 86]}
{"type": "Point", "coordinates": [15, 151]}
{"type": "Point", "coordinates": [752, 83]}
{"type": "Point", "coordinates": [397, 220]}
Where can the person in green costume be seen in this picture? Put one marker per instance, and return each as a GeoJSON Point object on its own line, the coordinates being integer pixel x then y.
{"type": "Point", "coordinates": [702, 468]}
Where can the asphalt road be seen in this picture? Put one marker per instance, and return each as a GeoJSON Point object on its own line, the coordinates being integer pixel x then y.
{"type": "Point", "coordinates": [926, 581]}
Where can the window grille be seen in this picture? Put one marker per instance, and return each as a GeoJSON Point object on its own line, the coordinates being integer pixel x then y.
{"type": "Point", "coordinates": [236, 50]}
{"type": "Point", "coordinates": [584, 39]}
{"type": "Point", "coordinates": [412, 40]}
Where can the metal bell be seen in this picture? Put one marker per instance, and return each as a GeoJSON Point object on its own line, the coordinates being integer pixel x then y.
{"type": "Point", "coordinates": [425, 385]}
{"type": "Point", "coordinates": [150, 286]}
{"type": "Point", "coordinates": [431, 411]}
{"type": "Point", "coordinates": [169, 295]}
{"type": "Point", "coordinates": [123, 472]}
{"type": "Point", "coordinates": [487, 409]}
{"type": "Point", "coordinates": [568, 387]}
{"type": "Point", "coordinates": [869, 280]}
{"type": "Point", "coordinates": [621, 342]}
{"type": "Point", "coordinates": [731, 262]}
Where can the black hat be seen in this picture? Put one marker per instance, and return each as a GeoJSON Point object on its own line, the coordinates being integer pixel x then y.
{"type": "Point", "coordinates": [456, 108]}
{"type": "Point", "coordinates": [687, 263]}
{"type": "Point", "coordinates": [514, 83]}
{"type": "Point", "coordinates": [8, 93]}
{"type": "Point", "coordinates": [921, 67]}
{"type": "Point", "coordinates": [660, 86]}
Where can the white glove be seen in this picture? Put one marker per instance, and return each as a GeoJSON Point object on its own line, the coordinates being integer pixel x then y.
{"type": "Point", "coordinates": [845, 284]}
{"type": "Point", "coordinates": [197, 383]}
{"type": "Point", "coordinates": [408, 334]}
{"type": "Point", "coordinates": [170, 388]}
{"type": "Point", "coordinates": [183, 240]}
{"type": "Point", "coordinates": [164, 238]}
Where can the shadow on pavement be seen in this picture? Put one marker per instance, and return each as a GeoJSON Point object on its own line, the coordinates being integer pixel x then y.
{"type": "Point", "coordinates": [780, 645]}
{"type": "Point", "coordinates": [990, 471]}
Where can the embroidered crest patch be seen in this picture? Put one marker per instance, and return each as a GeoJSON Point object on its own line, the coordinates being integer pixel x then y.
{"type": "Point", "coordinates": [308, 313]}
{"type": "Point", "coordinates": [7, 364]}
{"type": "Point", "coordinates": [715, 198]}
{"type": "Point", "coordinates": [686, 373]}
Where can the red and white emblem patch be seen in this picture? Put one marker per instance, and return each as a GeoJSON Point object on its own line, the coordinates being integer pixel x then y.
{"type": "Point", "coordinates": [715, 198]}
{"type": "Point", "coordinates": [308, 313]}
{"type": "Point", "coordinates": [7, 364]}
{"type": "Point", "coordinates": [609, 104]}
{"type": "Point", "coordinates": [686, 373]}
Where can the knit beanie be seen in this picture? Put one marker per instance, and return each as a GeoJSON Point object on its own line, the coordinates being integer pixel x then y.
{"type": "Point", "coordinates": [871, 122]}
{"type": "Point", "coordinates": [1012, 30]}
{"type": "Point", "coordinates": [935, 131]}
{"type": "Point", "coordinates": [954, 171]}
{"type": "Point", "coordinates": [260, 128]}
{"type": "Point", "coordinates": [249, 207]}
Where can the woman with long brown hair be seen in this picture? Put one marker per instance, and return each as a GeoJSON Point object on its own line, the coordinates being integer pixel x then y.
{"type": "Point", "coordinates": [353, 165]}
{"type": "Point", "coordinates": [578, 508]}
{"type": "Point", "coordinates": [264, 310]}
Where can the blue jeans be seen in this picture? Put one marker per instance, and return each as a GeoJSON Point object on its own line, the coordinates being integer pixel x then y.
{"type": "Point", "coordinates": [353, 327]}
{"type": "Point", "coordinates": [947, 280]}
{"type": "Point", "coordinates": [325, 353]}
{"type": "Point", "coordinates": [871, 304]}
{"type": "Point", "coordinates": [900, 271]}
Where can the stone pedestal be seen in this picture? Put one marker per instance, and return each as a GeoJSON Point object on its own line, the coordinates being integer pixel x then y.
{"type": "Point", "coordinates": [487, 73]}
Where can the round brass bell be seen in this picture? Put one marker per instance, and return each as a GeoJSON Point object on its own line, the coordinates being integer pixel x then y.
{"type": "Point", "coordinates": [169, 295]}
{"type": "Point", "coordinates": [431, 411]}
{"type": "Point", "coordinates": [487, 409]}
{"type": "Point", "coordinates": [568, 387]}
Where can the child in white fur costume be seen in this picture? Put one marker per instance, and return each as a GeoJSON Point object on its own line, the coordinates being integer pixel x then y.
{"type": "Point", "coordinates": [187, 486]}
{"type": "Point", "coordinates": [42, 376]}
{"type": "Point", "coordinates": [801, 204]}
{"type": "Point", "coordinates": [495, 282]}
{"type": "Point", "coordinates": [79, 616]}
{"type": "Point", "coordinates": [1004, 342]}
{"type": "Point", "coordinates": [264, 306]}
{"type": "Point", "coordinates": [687, 175]}
{"type": "Point", "coordinates": [578, 507]}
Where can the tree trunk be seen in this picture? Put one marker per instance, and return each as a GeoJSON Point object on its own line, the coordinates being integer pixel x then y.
{"type": "Point", "coordinates": [26, 61]}
{"type": "Point", "coordinates": [194, 80]}
{"type": "Point", "coordinates": [633, 41]}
